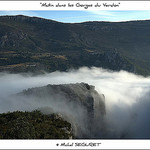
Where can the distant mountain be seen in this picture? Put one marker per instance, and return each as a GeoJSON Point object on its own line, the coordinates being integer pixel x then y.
{"type": "Point", "coordinates": [34, 44]}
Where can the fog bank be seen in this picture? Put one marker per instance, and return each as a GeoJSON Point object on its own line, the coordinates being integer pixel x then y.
{"type": "Point", "coordinates": [127, 97]}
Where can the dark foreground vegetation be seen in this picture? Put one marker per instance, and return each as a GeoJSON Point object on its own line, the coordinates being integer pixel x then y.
{"type": "Point", "coordinates": [33, 125]}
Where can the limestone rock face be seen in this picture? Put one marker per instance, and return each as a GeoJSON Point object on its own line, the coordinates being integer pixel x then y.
{"type": "Point", "coordinates": [79, 103]}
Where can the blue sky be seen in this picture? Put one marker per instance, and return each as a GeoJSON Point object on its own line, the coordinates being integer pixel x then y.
{"type": "Point", "coordinates": [81, 16]}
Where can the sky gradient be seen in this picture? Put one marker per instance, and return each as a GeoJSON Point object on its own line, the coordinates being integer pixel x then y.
{"type": "Point", "coordinates": [82, 16]}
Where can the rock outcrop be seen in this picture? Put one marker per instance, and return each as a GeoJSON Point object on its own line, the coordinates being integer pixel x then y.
{"type": "Point", "coordinates": [79, 103]}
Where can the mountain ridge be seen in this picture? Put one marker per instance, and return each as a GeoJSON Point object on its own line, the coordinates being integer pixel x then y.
{"type": "Point", "coordinates": [46, 19]}
{"type": "Point", "coordinates": [72, 45]}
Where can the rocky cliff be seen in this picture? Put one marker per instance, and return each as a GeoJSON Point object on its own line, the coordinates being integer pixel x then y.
{"type": "Point", "coordinates": [79, 103]}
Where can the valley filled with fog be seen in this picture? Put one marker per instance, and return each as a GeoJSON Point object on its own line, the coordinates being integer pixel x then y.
{"type": "Point", "coordinates": [127, 97]}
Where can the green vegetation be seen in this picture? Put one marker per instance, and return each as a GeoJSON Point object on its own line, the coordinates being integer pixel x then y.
{"type": "Point", "coordinates": [33, 125]}
{"type": "Point", "coordinates": [40, 44]}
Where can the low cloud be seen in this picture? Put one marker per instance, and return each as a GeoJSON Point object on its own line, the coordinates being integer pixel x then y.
{"type": "Point", "coordinates": [127, 97]}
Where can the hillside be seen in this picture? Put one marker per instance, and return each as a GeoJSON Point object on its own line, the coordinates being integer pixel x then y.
{"type": "Point", "coordinates": [34, 44]}
{"type": "Point", "coordinates": [33, 125]}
